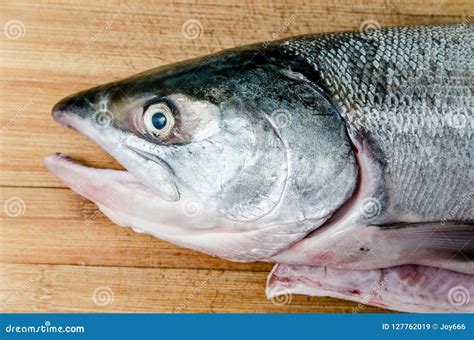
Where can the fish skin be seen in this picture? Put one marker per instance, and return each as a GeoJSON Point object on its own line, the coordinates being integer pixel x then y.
{"type": "Point", "coordinates": [343, 185]}
{"type": "Point", "coordinates": [398, 88]}
{"type": "Point", "coordinates": [419, 173]}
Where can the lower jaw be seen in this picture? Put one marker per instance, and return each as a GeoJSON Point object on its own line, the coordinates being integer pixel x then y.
{"type": "Point", "coordinates": [129, 203]}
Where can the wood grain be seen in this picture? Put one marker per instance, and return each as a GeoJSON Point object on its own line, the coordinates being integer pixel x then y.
{"type": "Point", "coordinates": [60, 249]}
{"type": "Point", "coordinates": [62, 288]}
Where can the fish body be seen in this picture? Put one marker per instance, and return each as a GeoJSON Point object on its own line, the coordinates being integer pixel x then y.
{"type": "Point", "coordinates": [344, 158]}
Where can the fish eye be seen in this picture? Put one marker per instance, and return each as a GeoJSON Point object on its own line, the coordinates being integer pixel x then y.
{"type": "Point", "coordinates": [158, 119]}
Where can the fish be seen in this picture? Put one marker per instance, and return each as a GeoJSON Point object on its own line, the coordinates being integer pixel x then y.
{"type": "Point", "coordinates": [344, 158]}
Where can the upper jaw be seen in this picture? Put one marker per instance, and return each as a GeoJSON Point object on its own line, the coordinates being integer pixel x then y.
{"type": "Point", "coordinates": [152, 175]}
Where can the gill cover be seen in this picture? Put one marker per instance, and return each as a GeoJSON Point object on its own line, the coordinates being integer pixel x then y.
{"type": "Point", "coordinates": [312, 167]}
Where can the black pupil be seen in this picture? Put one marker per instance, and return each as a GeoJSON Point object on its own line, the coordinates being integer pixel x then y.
{"type": "Point", "coordinates": [158, 120]}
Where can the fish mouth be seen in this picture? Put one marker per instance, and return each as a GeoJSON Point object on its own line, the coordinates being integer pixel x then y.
{"type": "Point", "coordinates": [107, 188]}
{"type": "Point", "coordinates": [86, 180]}
{"type": "Point", "coordinates": [127, 202]}
{"type": "Point", "coordinates": [121, 195]}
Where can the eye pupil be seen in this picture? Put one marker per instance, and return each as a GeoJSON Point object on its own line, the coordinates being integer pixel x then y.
{"type": "Point", "coordinates": [159, 120]}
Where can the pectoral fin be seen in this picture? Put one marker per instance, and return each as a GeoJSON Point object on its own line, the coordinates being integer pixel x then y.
{"type": "Point", "coordinates": [456, 239]}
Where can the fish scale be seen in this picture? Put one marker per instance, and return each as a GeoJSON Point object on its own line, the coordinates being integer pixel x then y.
{"type": "Point", "coordinates": [422, 74]}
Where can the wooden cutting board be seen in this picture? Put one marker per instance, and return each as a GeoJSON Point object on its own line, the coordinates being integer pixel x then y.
{"type": "Point", "coordinates": [57, 252]}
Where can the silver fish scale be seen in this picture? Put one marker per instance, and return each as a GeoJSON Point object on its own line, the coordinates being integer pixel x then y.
{"type": "Point", "coordinates": [409, 92]}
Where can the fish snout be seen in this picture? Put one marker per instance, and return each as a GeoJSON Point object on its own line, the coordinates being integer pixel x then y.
{"type": "Point", "coordinates": [81, 104]}
{"type": "Point", "coordinates": [59, 111]}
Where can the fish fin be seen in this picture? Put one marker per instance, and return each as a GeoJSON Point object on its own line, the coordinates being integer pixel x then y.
{"type": "Point", "coordinates": [456, 238]}
{"type": "Point", "coordinates": [407, 288]}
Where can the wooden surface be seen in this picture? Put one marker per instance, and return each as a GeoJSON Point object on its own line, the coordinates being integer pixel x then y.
{"type": "Point", "coordinates": [57, 252]}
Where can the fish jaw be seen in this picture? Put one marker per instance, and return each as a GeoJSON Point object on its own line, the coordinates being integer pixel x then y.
{"type": "Point", "coordinates": [105, 187]}
{"type": "Point", "coordinates": [111, 190]}
{"type": "Point", "coordinates": [128, 202]}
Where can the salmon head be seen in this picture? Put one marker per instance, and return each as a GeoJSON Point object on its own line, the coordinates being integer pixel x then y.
{"type": "Point", "coordinates": [238, 154]}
